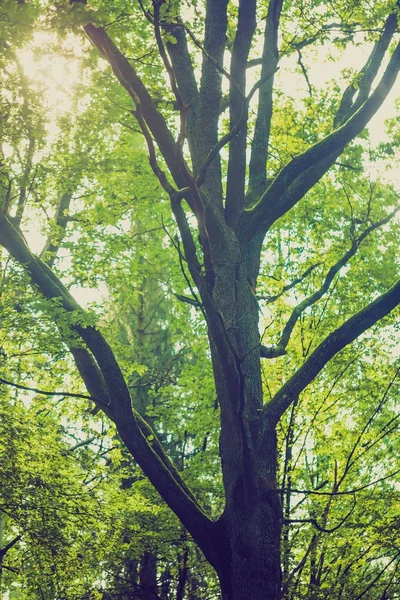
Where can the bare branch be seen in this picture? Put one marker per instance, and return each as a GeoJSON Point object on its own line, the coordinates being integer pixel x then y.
{"type": "Point", "coordinates": [375, 579]}
{"type": "Point", "coordinates": [82, 444]}
{"type": "Point", "coordinates": [128, 77]}
{"type": "Point", "coordinates": [333, 271]}
{"type": "Point", "coordinates": [289, 286]}
{"type": "Point", "coordinates": [304, 71]}
{"type": "Point", "coordinates": [346, 492]}
{"type": "Point", "coordinates": [237, 149]}
{"type": "Point", "coordinates": [324, 529]}
{"type": "Point", "coordinates": [351, 459]}
{"type": "Point", "coordinates": [5, 549]}
{"type": "Point", "coordinates": [366, 75]}
{"type": "Point", "coordinates": [46, 393]}
{"type": "Point", "coordinates": [336, 341]}
{"type": "Point", "coordinates": [270, 59]}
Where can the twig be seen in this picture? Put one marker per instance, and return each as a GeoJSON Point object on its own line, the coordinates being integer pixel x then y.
{"type": "Point", "coordinates": [45, 393]}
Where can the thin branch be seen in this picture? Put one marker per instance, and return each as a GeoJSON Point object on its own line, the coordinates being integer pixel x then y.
{"type": "Point", "coordinates": [350, 460]}
{"type": "Point", "coordinates": [344, 493]}
{"type": "Point", "coordinates": [367, 74]}
{"type": "Point", "coordinates": [83, 443]}
{"type": "Point", "coordinates": [372, 583]}
{"type": "Point", "coordinates": [333, 271]}
{"type": "Point", "coordinates": [53, 244]}
{"type": "Point", "coordinates": [304, 71]}
{"type": "Point", "coordinates": [315, 523]}
{"type": "Point", "coordinates": [46, 393]}
{"type": "Point", "coordinates": [289, 286]}
{"type": "Point", "coordinates": [5, 549]}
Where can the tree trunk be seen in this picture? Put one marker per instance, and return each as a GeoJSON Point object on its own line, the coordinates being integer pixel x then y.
{"type": "Point", "coordinates": [251, 567]}
{"type": "Point", "coordinates": [148, 576]}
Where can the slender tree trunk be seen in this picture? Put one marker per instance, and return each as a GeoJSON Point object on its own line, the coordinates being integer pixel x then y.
{"type": "Point", "coordinates": [148, 576]}
{"type": "Point", "coordinates": [1, 545]}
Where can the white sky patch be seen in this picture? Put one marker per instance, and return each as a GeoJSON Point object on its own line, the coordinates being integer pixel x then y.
{"type": "Point", "coordinates": [59, 74]}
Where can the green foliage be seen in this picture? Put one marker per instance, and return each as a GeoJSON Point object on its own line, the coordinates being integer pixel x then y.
{"type": "Point", "coordinates": [68, 487]}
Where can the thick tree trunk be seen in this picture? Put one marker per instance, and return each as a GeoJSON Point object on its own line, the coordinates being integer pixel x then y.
{"type": "Point", "coordinates": [251, 566]}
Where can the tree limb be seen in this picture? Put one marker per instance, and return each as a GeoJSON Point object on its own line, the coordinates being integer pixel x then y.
{"type": "Point", "coordinates": [184, 72]}
{"type": "Point", "coordinates": [303, 171]}
{"type": "Point", "coordinates": [289, 286]}
{"type": "Point", "coordinates": [211, 92]}
{"type": "Point", "coordinates": [237, 149]}
{"type": "Point", "coordinates": [335, 341]}
{"type": "Point", "coordinates": [333, 271]}
{"type": "Point", "coordinates": [259, 147]}
{"type": "Point", "coordinates": [135, 432]}
{"type": "Point", "coordinates": [367, 74]}
{"type": "Point", "coordinates": [3, 551]}
{"type": "Point", "coordinates": [129, 79]}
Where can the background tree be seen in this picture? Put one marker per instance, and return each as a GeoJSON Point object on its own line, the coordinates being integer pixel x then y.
{"type": "Point", "coordinates": [276, 240]}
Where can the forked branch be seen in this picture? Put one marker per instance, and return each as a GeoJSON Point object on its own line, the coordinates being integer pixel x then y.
{"type": "Point", "coordinates": [303, 171]}
{"type": "Point", "coordinates": [333, 343]}
{"type": "Point", "coordinates": [318, 294]}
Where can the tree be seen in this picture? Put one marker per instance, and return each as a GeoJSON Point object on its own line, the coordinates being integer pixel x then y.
{"type": "Point", "coordinates": [243, 212]}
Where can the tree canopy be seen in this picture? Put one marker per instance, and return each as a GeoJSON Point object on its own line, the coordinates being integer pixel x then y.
{"type": "Point", "coordinates": [199, 289]}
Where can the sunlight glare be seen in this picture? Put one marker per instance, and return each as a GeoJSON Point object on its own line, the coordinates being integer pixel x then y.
{"type": "Point", "coordinates": [56, 74]}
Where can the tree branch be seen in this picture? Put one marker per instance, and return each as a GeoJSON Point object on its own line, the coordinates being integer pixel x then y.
{"type": "Point", "coordinates": [139, 438]}
{"type": "Point", "coordinates": [210, 92]}
{"type": "Point", "coordinates": [336, 341]}
{"type": "Point", "coordinates": [333, 271]}
{"type": "Point", "coordinates": [237, 149]}
{"type": "Point", "coordinates": [184, 72]}
{"type": "Point", "coordinates": [259, 147]}
{"type": "Point", "coordinates": [289, 286]}
{"type": "Point", "coordinates": [324, 529]}
{"type": "Point", "coordinates": [129, 79]}
{"type": "Point", "coordinates": [294, 180]}
{"type": "Point", "coordinates": [46, 393]}
{"type": "Point", "coordinates": [53, 244]}
{"type": "Point", "coordinates": [3, 551]}
{"type": "Point", "coordinates": [367, 74]}
{"type": "Point", "coordinates": [344, 493]}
